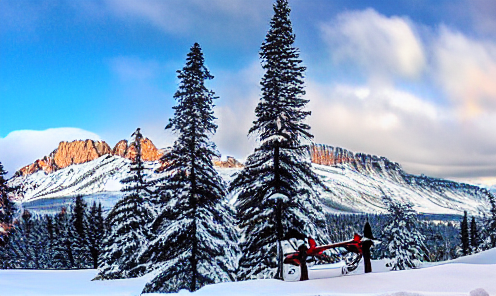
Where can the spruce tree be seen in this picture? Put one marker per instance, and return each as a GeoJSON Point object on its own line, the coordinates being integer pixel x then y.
{"type": "Point", "coordinates": [80, 222]}
{"type": "Point", "coordinates": [64, 242]}
{"type": "Point", "coordinates": [96, 232]}
{"type": "Point", "coordinates": [193, 243]}
{"type": "Point", "coordinates": [127, 222]}
{"type": "Point", "coordinates": [79, 216]}
{"type": "Point", "coordinates": [474, 236]}
{"type": "Point", "coordinates": [464, 235]}
{"type": "Point", "coordinates": [6, 207]}
{"type": "Point", "coordinates": [21, 248]}
{"type": "Point", "coordinates": [277, 190]}
{"type": "Point", "coordinates": [405, 245]}
{"type": "Point", "coordinates": [39, 243]}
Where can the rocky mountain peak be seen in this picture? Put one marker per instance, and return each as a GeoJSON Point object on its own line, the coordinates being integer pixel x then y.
{"type": "Point", "coordinates": [83, 151]}
{"type": "Point", "coordinates": [231, 162]}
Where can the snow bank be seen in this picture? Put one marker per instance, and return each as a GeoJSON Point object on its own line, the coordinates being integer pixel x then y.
{"type": "Point", "coordinates": [65, 282]}
{"type": "Point", "coordinates": [469, 276]}
{"type": "Point", "coordinates": [486, 257]}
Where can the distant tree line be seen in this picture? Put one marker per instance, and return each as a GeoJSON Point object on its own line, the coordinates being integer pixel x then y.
{"type": "Point", "coordinates": [62, 241]}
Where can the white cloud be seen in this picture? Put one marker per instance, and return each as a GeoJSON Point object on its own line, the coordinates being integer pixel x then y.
{"type": "Point", "coordinates": [384, 46]}
{"type": "Point", "coordinates": [180, 16]}
{"type": "Point", "coordinates": [22, 147]}
{"type": "Point", "coordinates": [421, 136]}
{"type": "Point", "coordinates": [239, 93]}
{"type": "Point", "coordinates": [466, 70]}
{"type": "Point", "coordinates": [442, 126]}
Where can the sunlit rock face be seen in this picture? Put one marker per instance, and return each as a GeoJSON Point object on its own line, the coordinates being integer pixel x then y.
{"type": "Point", "coordinates": [78, 152]}
{"type": "Point", "coordinates": [231, 162]}
{"type": "Point", "coordinates": [83, 151]}
{"type": "Point", "coordinates": [120, 148]}
{"type": "Point", "coordinates": [335, 156]}
{"type": "Point", "coordinates": [148, 151]}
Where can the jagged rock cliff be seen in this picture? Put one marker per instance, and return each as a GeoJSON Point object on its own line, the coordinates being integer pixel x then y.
{"type": "Point", "coordinates": [79, 152]}
{"type": "Point", "coordinates": [334, 156]}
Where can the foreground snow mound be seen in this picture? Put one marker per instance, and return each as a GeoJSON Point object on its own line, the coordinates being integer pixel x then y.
{"type": "Point", "coordinates": [471, 278]}
{"type": "Point", "coordinates": [65, 282]}
{"type": "Point", "coordinates": [486, 257]}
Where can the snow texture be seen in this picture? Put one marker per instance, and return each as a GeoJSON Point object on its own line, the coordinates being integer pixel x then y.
{"type": "Point", "coordinates": [474, 277]}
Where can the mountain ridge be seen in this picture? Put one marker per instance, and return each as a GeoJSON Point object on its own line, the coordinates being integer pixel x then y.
{"type": "Point", "coordinates": [356, 182]}
{"type": "Point", "coordinates": [83, 151]}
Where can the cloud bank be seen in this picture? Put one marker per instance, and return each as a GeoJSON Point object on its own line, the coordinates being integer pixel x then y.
{"type": "Point", "coordinates": [435, 114]}
{"type": "Point", "coordinates": [382, 46]}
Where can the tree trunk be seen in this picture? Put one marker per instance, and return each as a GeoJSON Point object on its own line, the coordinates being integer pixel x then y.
{"type": "Point", "coordinates": [279, 229]}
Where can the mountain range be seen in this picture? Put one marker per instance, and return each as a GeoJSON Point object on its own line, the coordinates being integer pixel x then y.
{"type": "Point", "coordinates": [356, 182]}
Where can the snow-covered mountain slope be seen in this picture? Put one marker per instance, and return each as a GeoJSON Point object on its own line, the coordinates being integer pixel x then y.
{"type": "Point", "coordinates": [353, 190]}
{"type": "Point", "coordinates": [353, 186]}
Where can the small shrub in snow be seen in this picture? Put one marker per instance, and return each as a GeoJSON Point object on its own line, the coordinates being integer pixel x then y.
{"type": "Point", "coordinates": [405, 244]}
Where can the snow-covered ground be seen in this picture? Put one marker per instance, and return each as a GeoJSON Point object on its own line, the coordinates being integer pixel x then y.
{"type": "Point", "coordinates": [456, 277]}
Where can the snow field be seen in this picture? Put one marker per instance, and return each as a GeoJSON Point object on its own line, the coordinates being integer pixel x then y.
{"type": "Point", "coordinates": [458, 277]}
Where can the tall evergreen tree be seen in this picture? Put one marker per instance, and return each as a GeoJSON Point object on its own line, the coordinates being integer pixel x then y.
{"type": "Point", "coordinates": [64, 242]}
{"type": "Point", "coordinates": [464, 235]}
{"type": "Point", "coordinates": [6, 207]}
{"type": "Point", "coordinates": [80, 222]}
{"type": "Point", "coordinates": [277, 189]}
{"type": "Point", "coordinates": [39, 243]}
{"type": "Point", "coordinates": [127, 222]}
{"type": "Point", "coordinates": [474, 236]}
{"type": "Point", "coordinates": [96, 232]}
{"type": "Point", "coordinates": [193, 244]}
{"type": "Point", "coordinates": [79, 216]}
{"type": "Point", "coordinates": [405, 245]}
{"type": "Point", "coordinates": [21, 243]}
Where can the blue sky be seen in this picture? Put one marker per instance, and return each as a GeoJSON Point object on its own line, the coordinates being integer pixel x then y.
{"type": "Point", "coordinates": [414, 81]}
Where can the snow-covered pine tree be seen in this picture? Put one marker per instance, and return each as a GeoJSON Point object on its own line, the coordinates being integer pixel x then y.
{"type": "Point", "coordinates": [39, 242]}
{"type": "Point", "coordinates": [82, 256]}
{"type": "Point", "coordinates": [464, 235]}
{"type": "Point", "coordinates": [96, 232]}
{"type": "Point", "coordinates": [277, 190]}
{"type": "Point", "coordinates": [127, 222]}
{"type": "Point", "coordinates": [405, 244]}
{"type": "Point", "coordinates": [6, 207]}
{"type": "Point", "coordinates": [474, 236]}
{"type": "Point", "coordinates": [48, 223]}
{"type": "Point", "coordinates": [21, 251]}
{"type": "Point", "coordinates": [194, 232]}
{"type": "Point", "coordinates": [64, 241]}
{"type": "Point", "coordinates": [29, 244]}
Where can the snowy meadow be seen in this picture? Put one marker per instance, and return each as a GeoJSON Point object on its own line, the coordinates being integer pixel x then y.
{"type": "Point", "coordinates": [462, 276]}
{"type": "Point", "coordinates": [456, 277]}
